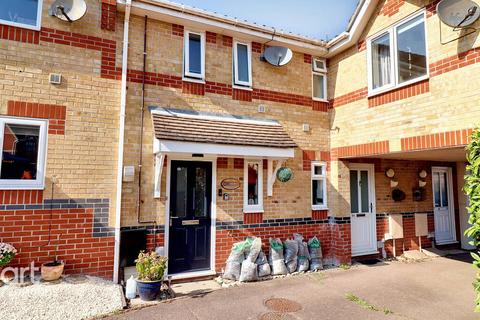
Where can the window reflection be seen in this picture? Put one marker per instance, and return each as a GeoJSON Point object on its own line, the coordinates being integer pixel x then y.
{"type": "Point", "coordinates": [252, 183]}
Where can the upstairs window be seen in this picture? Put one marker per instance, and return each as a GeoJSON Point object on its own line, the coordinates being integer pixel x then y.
{"type": "Point", "coordinates": [319, 185]}
{"type": "Point", "coordinates": [319, 79]}
{"type": "Point", "coordinates": [242, 64]}
{"type": "Point", "coordinates": [194, 55]}
{"type": "Point", "coordinates": [23, 148]}
{"type": "Point", "coordinates": [253, 186]}
{"type": "Point", "coordinates": [21, 13]}
{"type": "Point", "coordinates": [398, 56]}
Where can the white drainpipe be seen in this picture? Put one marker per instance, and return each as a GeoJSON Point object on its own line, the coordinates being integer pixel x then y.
{"type": "Point", "coordinates": [121, 138]}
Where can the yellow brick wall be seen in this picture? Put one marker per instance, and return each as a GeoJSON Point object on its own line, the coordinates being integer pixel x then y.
{"type": "Point", "coordinates": [84, 159]}
{"type": "Point", "coordinates": [164, 55]}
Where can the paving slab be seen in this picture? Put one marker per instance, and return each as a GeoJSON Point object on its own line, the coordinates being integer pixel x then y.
{"type": "Point", "coordinates": [437, 288]}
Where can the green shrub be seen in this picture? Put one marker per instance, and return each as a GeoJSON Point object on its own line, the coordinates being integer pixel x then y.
{"type": "Point", "coordinates": [150, 266]}
{"type": "Point", "coordinates": [472, 189]}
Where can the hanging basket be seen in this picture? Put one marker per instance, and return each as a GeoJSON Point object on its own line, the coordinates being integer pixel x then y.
{"type": "Point", "coordinates": [284, 174]}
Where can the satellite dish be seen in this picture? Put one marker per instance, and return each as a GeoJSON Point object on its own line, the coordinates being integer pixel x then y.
{"type": "Point", "coordinates": [68, 10]}
{"type": "Point", "coordinates": [458, 13]}
{"type": "Point", "coordinates": [278, 56]}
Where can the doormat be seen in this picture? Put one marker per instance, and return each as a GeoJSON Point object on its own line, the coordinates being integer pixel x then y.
{"type": "Point", "coordinates": [369, 262]}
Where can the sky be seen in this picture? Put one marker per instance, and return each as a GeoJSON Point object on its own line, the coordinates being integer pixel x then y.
{"type": "Point", "coordinates": [320, 19]}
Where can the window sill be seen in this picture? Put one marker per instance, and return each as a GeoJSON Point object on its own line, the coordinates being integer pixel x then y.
{"type": "Point", "coordinates": [20, 25]}
{"type": "Point", "coordinates": [24, 187]}
{"type": "Point", "coordinates": [319, 99]}
{"type": "Point", "coordinates": [201, 81]}
{"type": "Point", "coordinates": [242, 88]}
{"type": "Point", "coordinates": [253, 211]}
{"type": "Point", "coordinates": [378, 92]}
{"type": "Point", "coordinates": [319, 208]}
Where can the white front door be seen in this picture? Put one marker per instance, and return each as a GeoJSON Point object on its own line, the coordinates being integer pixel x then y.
{"type": "Point", "coordinates": [362, 202]}
{"type": "Point", "coordinates": [443, 205]}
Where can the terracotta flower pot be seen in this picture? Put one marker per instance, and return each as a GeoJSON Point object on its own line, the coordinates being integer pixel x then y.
{"type": "Point", "coordinates": [52, 271]}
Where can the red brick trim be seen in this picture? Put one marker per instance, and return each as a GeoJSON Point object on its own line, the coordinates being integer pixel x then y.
{"type": "Point", "coordinates": [432, 8]}
{"type": "Point", "coordinates": [109, 15]}
{"type": "Point", "coordinates": [282, 97]}
{"type": "Point", "coordinates": [193, 88]}
{"type": "Point", "coordinates": [222, 163]}
{"type": "Point", "coordinates": [156, 79]}
{"type": "Point", "coordinates": [455, 62]}
{"type": "Point", "coordinates": [218, 88]}
{"type": "Point", "coordinates": [242, 95]}
{"type": "Point", "coordinates": [319, 214]}
{"type": "Point", "coordinates": [349, 97]}
{"type": "Point", "coordinates": [391, 7]}
{"type": "Point", "coordinates": [366, 149]}
{"type": "Point", "coordinates": [227, 41]}
{"type": "Point", "coordinates": [362, 45]}
{"type": "Point", "coordinates": [256, 47]}
{"type": "Point", "coordinates": [21, 196]}
{"type": "Point", "coordinates": [56, 114]}
{"type": "Point", "coordinates": [411, 90]}
{"type": "Point", "coordinates": [252, 218]}
{"type": "Point", "coordinates": [320, 106]}
{"type": "Point", "coordinates": [437, 140]}
{"type": "Point", "coordinates": [211, 37]}
{"type": "Point", "coordinates": [177, 30]}
{"type": "Point", "coordinates": [19, 34]}
{"type": "Point", "coordinates": [238, 163]}
{"type": "Point", "coordinates": [308, 156]}
{"type": "Point", "coordinates": [307, 58]}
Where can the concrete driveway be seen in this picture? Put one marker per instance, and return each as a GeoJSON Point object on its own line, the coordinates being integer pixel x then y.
{"type": "Point", "coordinates": [438, 288]}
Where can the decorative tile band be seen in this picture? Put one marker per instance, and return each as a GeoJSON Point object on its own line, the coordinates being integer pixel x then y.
{"type": "Point", "coordinates": [151, 229]}
{"type": "Point", "coordinates": [437, 140]}
{"type": "Point", "coordinates": [411, 90]}
{"type": "Point", "coordinates": [366, 149]}
{"type": "Point", "coordinates": [384, 215]}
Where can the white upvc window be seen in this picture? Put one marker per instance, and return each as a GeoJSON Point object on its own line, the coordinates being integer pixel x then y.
{"type": "Point", "coordinates": [253, 186]}
{"type": "Point", "coordinates": [398, 56]}
{"type": "Point", "coordinates": [194, 55]}
{"type": "Point", "coordinates": [319, 185]}
{"type": "Point", "coordinates": [23, 146]}
{"type": "Point", "coordinates": [242, 64]}
{"type": "Point", "coordinates": [319, 79]}
{"type": "Point", "coordinates": [21, 13]}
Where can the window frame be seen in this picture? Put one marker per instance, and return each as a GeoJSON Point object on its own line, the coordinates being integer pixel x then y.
{"type": "Point", "coordinates": [320, 70]}
{"type": "Point", "coordinates": [39, 183]}
{"type": "Point", "coordinates": [36, 27]}
{"type": "Point", "coordinates": [237, 83]}
{"type": "Point", "coordinates": [187, 75]}
{"type": "Point", "coordinates": [255, 208]}
{"type": "Point", "coordinates": [324, 74]}
{"type": "Point", "coordinates": [392, 31]}
{"type": "Point", "coordinates": [319, 177]}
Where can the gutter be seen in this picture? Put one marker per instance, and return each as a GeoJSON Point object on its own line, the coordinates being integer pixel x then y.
{"type": "Point", "coordinates": [121, 140]}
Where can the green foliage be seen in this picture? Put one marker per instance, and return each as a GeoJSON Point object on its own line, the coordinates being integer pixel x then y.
{"type": "Point", "coordinates": [365, 305]}
{"type": "Point", "coordinates": [7, 253]}
{"type": "Point", "coordinates": [150, 266]}
{"type": "Point", "coordinates": [472, 190]}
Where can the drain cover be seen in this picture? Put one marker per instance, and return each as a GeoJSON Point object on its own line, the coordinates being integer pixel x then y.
{"type": "Point", "coordinates": [275, 316]}
{"type": "Point", "coordinates": [282, 305]}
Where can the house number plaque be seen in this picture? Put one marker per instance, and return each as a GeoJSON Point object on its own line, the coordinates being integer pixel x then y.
{"type": "Point", "coordinates": [230, 184]}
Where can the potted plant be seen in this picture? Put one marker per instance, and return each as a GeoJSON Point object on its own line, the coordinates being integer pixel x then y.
{"type": "Point", "coordinates": [7, 253]}
{"type": "Point", "coordinates": [52, 270]}
{"type": "Point", "coordinates": [151, 268]}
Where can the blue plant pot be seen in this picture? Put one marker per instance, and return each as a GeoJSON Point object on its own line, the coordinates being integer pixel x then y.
{"type": "Point", "coordinates": [148, 290]}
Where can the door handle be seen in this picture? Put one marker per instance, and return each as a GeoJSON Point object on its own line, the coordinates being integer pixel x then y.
{"type": "Point", "coordinates": [371, 207]}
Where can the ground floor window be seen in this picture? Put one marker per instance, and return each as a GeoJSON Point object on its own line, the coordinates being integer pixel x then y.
{"type": "Point", "coordinates": [253, 186]}
{"type": "Point", "coordinates": [319, 185]}
{"type": "Point", "coordinates": [23, 148]}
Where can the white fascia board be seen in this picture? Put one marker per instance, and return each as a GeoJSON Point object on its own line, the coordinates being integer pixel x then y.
{"type": "Point", "coordinates": [168, 146]}
{"type": "Point", "coordinates": [225, 27]}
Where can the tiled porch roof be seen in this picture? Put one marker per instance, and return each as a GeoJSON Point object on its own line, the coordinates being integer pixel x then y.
{"type": "Point", "coordinates": [187, 126]}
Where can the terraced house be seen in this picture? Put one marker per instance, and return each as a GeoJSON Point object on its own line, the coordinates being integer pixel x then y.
{"type": "Point", "coordinates": [147, 123]}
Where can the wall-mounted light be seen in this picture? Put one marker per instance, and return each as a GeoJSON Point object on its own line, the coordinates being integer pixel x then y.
{"type": "Point", "coordinates": [422, 174]}
{"type": "Point", "coordinates": [390, 173]}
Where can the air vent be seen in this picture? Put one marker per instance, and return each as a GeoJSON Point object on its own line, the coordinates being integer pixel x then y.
{"type": "Point", "coordinates": [262, 108]}
{"type": "Point", "coordinates": [306, 127]}
{"type": "Point", "coordinates": [55, 78]}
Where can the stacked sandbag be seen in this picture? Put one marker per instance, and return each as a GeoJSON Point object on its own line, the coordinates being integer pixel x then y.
{"type": "Point", "coordinates": [248, 270]}
{"type": "Point", "coordinates": [303, 262]}
{"type": "Point", "coordinates": [234, 261]}
{"type": "Point", "coordinates": [276, 257]}
{"type": "Point", "coordinates": [263, 267]}
{"type": "Point", "coordinates": [315, 250]}
{"type": "Point", "coordinates": [291, 255]}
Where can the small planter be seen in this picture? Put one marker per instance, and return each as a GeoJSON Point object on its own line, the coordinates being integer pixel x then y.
{"type": "Point", "coordinates": [148, 290]}
{"type": "Point", "coordinates": [52, 271]}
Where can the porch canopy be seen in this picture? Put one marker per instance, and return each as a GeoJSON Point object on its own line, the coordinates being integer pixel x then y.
{"type": "Point", "coordinates": [203, 133]}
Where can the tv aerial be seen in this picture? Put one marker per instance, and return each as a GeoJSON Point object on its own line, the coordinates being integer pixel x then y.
{"type": "Point", "coordinates": [68, 10]}
{"type": "Point", "coordinates": [278, 56]}
{"type": "Point", "coordinates": [458, 14]}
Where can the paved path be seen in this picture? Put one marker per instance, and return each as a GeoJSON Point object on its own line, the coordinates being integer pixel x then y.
{"type": "Point", "coordinates": [437, 289]}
